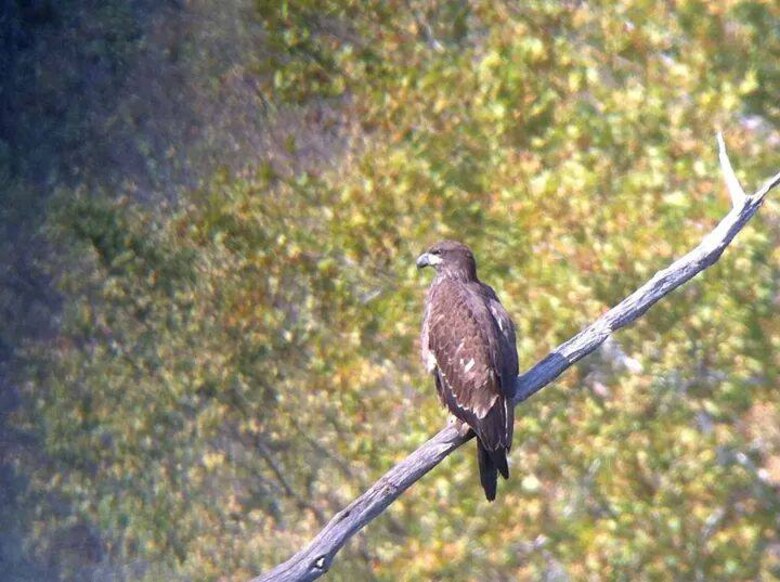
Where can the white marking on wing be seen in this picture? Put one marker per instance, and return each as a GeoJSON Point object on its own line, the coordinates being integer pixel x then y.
{"type": "Point", "coordinates": [481, 411]}
{"type": "Point", "coordinates": [468, 366]}
{"type": "Point", "coordinates": [499, 320]}
{"type": "Point", "coordinates": [430, 361]}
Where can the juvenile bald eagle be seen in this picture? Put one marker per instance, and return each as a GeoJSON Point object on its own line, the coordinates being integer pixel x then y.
{"type": "Point", "coordinates": [468, 344]}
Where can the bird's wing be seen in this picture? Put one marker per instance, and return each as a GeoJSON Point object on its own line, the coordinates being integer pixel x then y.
{"type": "Point", "coordinates": [508, 363]}
{"type": "Point", "coordinates": [465, 341]}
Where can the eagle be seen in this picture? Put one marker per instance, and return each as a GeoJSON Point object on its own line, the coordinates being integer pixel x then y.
{"type": "Point", "coordinates": [468, 344]}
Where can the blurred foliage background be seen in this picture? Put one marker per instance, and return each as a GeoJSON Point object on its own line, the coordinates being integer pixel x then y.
{"type": "Point", "coordinates": [210, 214]}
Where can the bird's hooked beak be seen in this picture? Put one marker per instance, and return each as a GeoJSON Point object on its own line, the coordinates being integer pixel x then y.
{"type": "Point", "coordinates": [427, 260]}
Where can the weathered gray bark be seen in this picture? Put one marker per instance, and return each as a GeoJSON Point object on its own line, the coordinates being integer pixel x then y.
{"type": "Point", "coordinates": [314, 560]}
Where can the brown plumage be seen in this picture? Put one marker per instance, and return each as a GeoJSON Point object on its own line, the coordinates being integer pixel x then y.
{"type": "Point", "coordinates": [468, 344]}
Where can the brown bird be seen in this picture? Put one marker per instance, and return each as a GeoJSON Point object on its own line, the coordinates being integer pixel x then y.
{"type": "Point", "coordinates": [468, 344]}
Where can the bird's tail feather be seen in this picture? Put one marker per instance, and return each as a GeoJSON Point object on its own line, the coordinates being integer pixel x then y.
{"type": "Point", "coordinates": [499, 460]}
{"type": "Point", "coordinates": [490, 463]}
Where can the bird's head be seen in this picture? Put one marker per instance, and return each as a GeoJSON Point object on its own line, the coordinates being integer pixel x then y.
{"type": "Point", "coordinates": [450, 258]}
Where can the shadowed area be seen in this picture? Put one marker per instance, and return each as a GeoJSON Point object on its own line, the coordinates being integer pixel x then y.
{"type": "Point", "coordinates": [137, 99]}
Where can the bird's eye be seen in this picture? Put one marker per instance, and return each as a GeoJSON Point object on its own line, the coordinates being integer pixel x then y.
{"type": "Point", "coordinates": [435, 252]}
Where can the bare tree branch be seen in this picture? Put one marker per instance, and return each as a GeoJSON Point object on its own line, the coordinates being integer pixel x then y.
{"type": "Point", "coordinates": [735, 189]}
{"type": "Point", "coordinates": [314, 560]}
